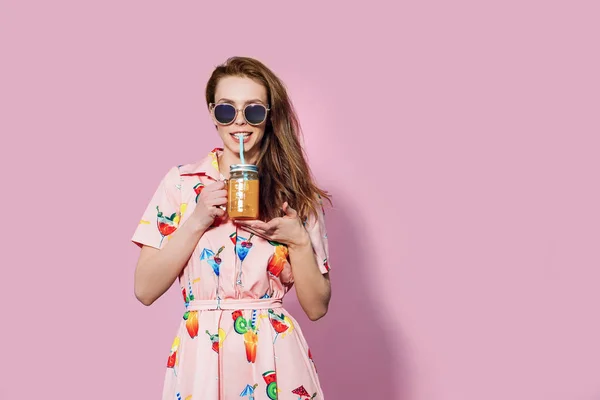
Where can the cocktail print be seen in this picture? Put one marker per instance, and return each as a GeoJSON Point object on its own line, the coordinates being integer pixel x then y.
{"type": "Point", "coordinates": [166, 224]}
{"type": "Point", "coordinates": [212, 259]}
{"type": "Point", "coordinates": [281, 324]}
{"type": "Point", "coordinates": [249, 391]}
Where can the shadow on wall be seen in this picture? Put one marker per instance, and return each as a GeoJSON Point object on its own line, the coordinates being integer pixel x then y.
{"type": "Point", "coordinates": [352, 347]}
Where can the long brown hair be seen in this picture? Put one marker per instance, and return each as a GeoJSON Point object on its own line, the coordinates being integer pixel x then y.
{"type": "Point", "coordinates": [283, 170]}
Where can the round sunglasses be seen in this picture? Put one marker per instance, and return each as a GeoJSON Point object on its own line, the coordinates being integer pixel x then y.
{"type": "Point", "coordinates": [225, 113]}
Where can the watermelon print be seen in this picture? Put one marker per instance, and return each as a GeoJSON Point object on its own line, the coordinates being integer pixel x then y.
{"type": "Point", "coordinates": [303, 394]}
{"type": "Point", "coordinates": [270, 378]}
{"type": "Point", "coordinates": [198, 189]}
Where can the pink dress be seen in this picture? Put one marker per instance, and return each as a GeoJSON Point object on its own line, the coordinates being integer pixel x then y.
{"type": "Point", "coordinates": [235, 339]}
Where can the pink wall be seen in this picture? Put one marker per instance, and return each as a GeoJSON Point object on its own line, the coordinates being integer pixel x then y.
{"type": "Point", "coordinates": [460, 142]}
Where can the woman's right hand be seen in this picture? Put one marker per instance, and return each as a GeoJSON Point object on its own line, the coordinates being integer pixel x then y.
{"type": "Point", "coordinates": [208, 208]}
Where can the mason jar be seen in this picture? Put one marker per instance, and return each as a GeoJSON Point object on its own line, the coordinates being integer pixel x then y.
{"type": "Point", "coordinates": [243, 192]}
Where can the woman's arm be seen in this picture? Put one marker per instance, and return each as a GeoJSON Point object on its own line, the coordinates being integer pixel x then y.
{"type": "Point", "coordinates": [312, 283]}
{"type": "Point", "coordinates": [313, 288]}
{"type": "Point", "coordinates": [156, 270]}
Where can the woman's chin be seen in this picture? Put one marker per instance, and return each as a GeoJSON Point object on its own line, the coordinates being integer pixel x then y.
{"type": "Point", "coordinates": [248, 151]}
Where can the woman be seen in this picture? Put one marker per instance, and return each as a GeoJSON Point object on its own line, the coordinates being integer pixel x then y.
{"type": "Point", "coordinates": [235, 338]}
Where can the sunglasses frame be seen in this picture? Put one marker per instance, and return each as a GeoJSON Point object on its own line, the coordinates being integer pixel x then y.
{"type": "Point", "coordinates": [237, 110]}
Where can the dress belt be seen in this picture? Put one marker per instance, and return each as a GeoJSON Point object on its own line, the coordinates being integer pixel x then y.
{"type": "Point", "coordinates": [233, 304]}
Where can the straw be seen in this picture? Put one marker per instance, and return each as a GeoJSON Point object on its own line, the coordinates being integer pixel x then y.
{"type": "Point", "coordinates": [241, 138]}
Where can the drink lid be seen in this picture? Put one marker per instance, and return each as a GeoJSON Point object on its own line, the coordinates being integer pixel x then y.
{"type": "Point", "coordinates": [243, 167]}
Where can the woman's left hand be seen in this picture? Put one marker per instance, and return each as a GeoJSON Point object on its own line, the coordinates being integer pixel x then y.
{"type": "Point", "coordinates": [288, 229]}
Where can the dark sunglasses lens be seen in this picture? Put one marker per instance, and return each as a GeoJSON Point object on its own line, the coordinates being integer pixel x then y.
{"type": "Point", "coordinates": [255, 113]}
{"type": "Point", "coordinates": [224, 113]}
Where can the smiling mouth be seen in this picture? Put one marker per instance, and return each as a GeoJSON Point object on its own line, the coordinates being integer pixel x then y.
{"type": "Point", "coordinates": [245, 134]}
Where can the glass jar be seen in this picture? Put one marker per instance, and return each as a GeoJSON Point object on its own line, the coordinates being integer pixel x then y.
{"type": "Point", "coordinates": [243, 192]}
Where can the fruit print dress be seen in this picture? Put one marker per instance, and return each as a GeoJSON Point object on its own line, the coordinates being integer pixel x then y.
{"type": "Point", "coordinates": [235, 340]}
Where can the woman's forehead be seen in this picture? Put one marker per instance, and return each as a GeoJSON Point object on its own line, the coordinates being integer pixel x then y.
{"type": "Point", "coordinates": [240, 90]}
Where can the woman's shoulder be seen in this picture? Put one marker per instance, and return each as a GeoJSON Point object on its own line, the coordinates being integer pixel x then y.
{"type": "Point", "coordinates": [207, 165]}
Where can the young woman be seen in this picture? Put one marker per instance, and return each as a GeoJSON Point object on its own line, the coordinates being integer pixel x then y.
{"type": "Point", "coordinates": [235, 338]}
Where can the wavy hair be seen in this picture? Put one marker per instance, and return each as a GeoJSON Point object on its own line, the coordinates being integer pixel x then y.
{"type": "Point", "coordinates": [283, 170]}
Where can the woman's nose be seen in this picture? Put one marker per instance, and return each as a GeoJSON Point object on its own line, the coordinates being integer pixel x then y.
{"type": "Point", "coordinates": [239, 118]}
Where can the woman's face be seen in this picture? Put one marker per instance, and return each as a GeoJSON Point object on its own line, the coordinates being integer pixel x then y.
{"type": "Point", "coordinates": [240, 92]}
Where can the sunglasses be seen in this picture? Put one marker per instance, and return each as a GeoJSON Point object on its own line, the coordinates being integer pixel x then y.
{"type": "Point", "coordinates": [225, 113]}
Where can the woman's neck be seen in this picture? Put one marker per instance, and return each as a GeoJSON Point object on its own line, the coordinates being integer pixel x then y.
{"type": "Point", "coordinates": [227, 158]}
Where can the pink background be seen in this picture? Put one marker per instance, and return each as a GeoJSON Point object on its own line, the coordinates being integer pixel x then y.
{"type": "Point", "coordinates": [460, 142]}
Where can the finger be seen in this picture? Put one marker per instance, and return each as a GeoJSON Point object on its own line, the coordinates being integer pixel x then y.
{"type": "Point", "coordinates": [257, 225]}
{"type": "Point", "coordinates": [289, 211]}
{"type": "Point", "coordinates": [246, 221]}
{"type": "Point", "coordinates": [217, 201]}
{"type": "Point", "coordinates": [217, 212]}
{"type": "Point", "coordinates": [217, 193]}
{"type": "Point", "coordinates": [214, 200]}
{"type": "Point", "coordinates": [215, 186]}
{"type": "Point", "coordinates": [247, 225]}
{"type": "Point", "coordinates": [257, 232]}
{"type": "Point", "coordinates": [273, 224]}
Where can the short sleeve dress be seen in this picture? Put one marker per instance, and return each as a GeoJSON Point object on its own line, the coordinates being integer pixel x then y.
{"type": "Point", "coordinates": [235, 339]}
